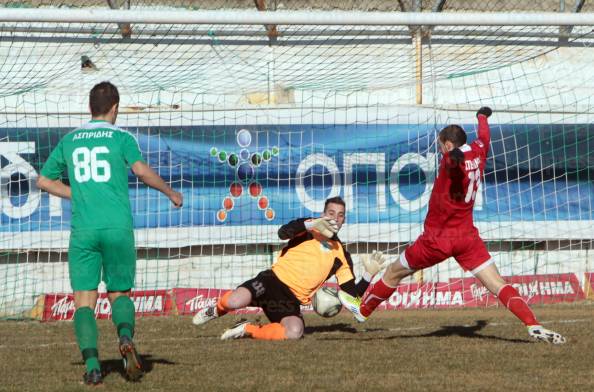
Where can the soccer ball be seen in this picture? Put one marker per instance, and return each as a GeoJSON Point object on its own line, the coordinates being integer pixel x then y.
{"type": "Point", "coordinates": [326, 303]}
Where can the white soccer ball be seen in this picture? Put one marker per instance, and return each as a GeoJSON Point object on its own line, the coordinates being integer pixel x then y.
{"type": "Point", "coordinates": [326, 303]}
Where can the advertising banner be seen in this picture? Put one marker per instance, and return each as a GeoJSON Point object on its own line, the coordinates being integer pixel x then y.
{"type": "Point", "coordinates": [469, 292]}
{"type": "Point", "coordinates": [190, 301]}
{"type": "Point", "coordinates": [258, 177]}
{"type": "Point", "coordinates": [146, 303]}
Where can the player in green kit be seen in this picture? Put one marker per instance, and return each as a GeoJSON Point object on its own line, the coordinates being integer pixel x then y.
{"type": "Point", "coordinates": [97, 157]}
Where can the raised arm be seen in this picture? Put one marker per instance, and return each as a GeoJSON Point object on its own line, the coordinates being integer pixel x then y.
{"type": "Point", "coordinates": [292, 229]}
{"type": "Point", "coordinates": [152, 179]}
{"type": "Point", "coordinates": [324, 225]}
{"type": "Point", "coordinates": [484, 133]}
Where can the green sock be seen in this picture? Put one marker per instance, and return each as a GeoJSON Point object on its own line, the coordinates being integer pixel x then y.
{"type": "Point", "coordinates": [85, 329]}
{"type": "Point", "coordinates": [122, 315]}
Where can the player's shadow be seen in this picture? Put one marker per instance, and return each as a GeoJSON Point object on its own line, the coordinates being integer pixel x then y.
{"type": "Point", "coordinates": [340, 327]}
{"type": "Point", "coordinates": [109, 366]}
{"type": "Point", "coordinates": [465, 331]}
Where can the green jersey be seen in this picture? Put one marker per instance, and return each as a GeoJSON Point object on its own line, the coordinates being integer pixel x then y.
{"type": "Point", "coordinates": [97, 156]}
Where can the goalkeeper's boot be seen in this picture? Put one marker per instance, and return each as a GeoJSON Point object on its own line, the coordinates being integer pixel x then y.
{"type": "Point", "coordinates": [93, 377]}
{"type": "Point", "coordinates": [205, 315]}
{"type": "Point", "coordinates": [545, 335]}
{"type": "Point", "coordinates": [236, 332]}
{"type": "Point", "coordinates": [132, 363]}
{"type": "Point", "coordinates": [352, 304]}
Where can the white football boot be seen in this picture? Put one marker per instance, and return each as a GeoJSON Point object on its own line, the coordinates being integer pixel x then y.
{"type": "Point", "coordinates": [352, 304]}
{"type": "Point", "coordinates": [235, 332]}
{"type": "Point", "coordinates": [204, 315]}
{"type": "Point", "coordinates": [540, 333]}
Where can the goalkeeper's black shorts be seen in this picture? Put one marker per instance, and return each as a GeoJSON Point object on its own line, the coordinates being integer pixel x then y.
{"type": "Point", "coordinates": [273, 296]}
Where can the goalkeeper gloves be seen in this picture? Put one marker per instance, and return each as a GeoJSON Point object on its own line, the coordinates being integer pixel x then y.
{"type": "Point", "coordinates": [325, 226]}
{"type": "Point", "coordinates": [373, 264]}
{"type": "Point", "coordinates": [485, 111]}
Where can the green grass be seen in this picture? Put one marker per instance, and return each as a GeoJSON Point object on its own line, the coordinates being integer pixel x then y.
{"type": "Point", "coordinates": [445, 350]}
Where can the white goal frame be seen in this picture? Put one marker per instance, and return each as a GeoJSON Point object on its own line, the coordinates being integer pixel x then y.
{"type": "Point", "coordinates": [90, 15]}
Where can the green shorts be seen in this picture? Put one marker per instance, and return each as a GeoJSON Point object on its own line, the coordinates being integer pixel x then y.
{"type": "Point", "coordinates": [110, 251]}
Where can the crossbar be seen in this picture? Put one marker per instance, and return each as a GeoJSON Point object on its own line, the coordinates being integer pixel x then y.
{"type": "Point", "coordinates": [295, 17]}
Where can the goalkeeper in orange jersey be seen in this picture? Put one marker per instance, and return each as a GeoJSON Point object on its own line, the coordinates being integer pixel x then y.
{"type": "Point", "coordinates": [314, 253]}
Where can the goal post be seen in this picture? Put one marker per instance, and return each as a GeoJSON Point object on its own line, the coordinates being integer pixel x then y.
{"type": "Point", "coordinates": [258, 129]}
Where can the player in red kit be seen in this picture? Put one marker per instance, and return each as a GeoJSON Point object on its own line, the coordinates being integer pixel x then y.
{"type": "Point", "coordinates": [449, 232]}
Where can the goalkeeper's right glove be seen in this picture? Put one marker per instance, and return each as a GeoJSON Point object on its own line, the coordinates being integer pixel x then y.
{"type": "Point", "coordinates": [325, 226]}
{"type": "Point", "coordinates": [485, 111]}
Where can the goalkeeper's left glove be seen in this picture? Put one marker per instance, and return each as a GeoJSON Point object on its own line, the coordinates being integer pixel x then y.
{"type": "Point", "coordinates": [373, 264]}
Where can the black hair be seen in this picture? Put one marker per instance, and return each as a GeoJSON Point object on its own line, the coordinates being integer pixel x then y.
{"type": "Point", "coordinates": [334, 200]}
{"type": "Point", "coordinates": [102, 98]}
{"type": "Point", "coordinates": [456, 135]}
{"type": "Point", "coordinates": [453, 133]}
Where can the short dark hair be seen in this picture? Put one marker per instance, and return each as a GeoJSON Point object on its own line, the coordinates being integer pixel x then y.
{"type": "Point", "coordinates": [334, 200]}
{"type": "Point", "coordinates": [102, 98]}
{"type": "Point", "coordinates": [453, 133]}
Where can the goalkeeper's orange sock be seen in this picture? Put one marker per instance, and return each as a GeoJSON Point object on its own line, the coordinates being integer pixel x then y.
{"type": "Point", "coordinates": [272, 331]}
{"type": "Point", "coordinates": [223, 305]}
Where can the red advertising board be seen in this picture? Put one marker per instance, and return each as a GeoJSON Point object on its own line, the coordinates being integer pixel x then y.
{"type": "Point", "coordinates": [190, 301]}
{"type": "Point", "coordinates": [535, 289]}
{"type": "Point", "coordinates": [469, 292]}
{"type": "Point", "coordinates": [426, 295]}
{"type": "Point", "coordinates": [465, 292]}
{"type": "Point", "coordinates": [146, 303]}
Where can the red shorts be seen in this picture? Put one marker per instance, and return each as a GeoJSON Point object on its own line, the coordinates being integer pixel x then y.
{"type": "Point", "coordinates": [433, 248]}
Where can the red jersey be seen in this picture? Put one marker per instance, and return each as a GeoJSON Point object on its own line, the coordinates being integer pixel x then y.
{"type": "Point", "coordinates": [455, 188]}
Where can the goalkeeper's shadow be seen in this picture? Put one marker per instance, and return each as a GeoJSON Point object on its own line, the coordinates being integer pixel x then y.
{"type": "Point", "coordinates": [339, 327]}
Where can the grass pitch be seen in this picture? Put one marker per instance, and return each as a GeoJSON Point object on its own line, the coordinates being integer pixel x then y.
{"type": "Point", "coordinates": [430, 350]}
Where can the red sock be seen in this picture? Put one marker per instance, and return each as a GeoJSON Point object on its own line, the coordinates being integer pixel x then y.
{"type": "Point", "coordinates": [510, 298]}
{"type": "Point", "coordinates": [377, 294]}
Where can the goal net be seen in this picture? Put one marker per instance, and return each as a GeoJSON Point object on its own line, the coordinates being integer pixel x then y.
{"type": "Point", "coordinates": [258, 123]}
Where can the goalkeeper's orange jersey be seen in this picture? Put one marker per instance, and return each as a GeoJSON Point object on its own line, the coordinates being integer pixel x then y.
{"type": "Point", "coordinates": [308, 260]}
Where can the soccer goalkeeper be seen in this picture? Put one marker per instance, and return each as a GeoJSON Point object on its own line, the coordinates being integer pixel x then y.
{"type": "Point", "coordinates": [449, 232]}
{"type": "Point", "coordinates": [314, 253]}
{"type": "Point", "coordinates": [97, 157]}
